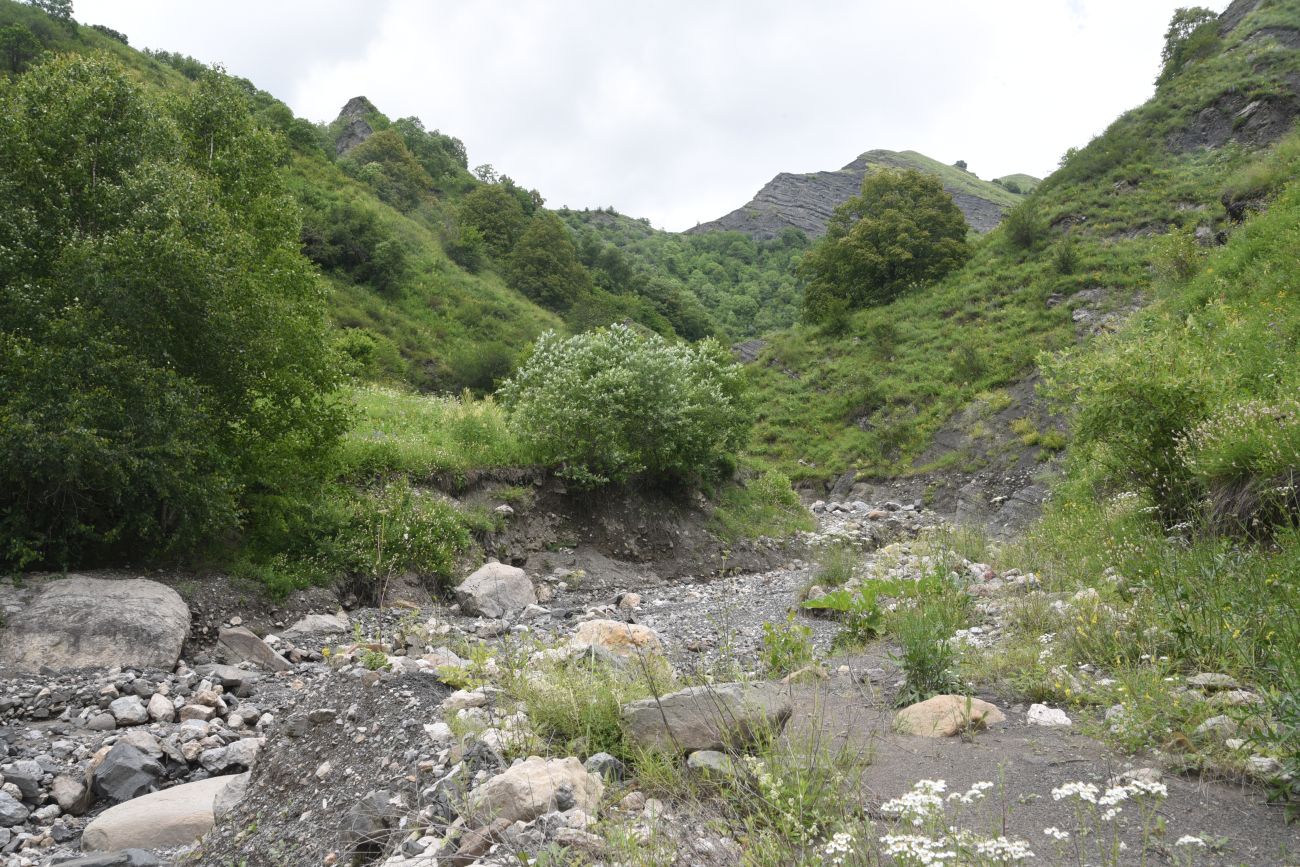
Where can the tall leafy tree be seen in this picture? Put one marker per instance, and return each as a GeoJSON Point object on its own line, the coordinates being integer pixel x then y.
{"type": "Point", "coordinates": [904, 230]}
{"type": "Point", "coordinates": [496, 215]}
{"type": "Point", "coordinates": [544, 264]}
{"type": "Point", "coordinates": [164, 370]}
{"type": "Point", "coordinates": [18, 47]}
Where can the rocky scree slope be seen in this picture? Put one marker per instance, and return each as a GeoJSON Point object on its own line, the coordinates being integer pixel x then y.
{"type": "Point", "coordinates": [806, 201]}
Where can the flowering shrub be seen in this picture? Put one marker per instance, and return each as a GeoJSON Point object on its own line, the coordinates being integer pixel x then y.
{"type": "Point", "coordinates": [614, 404]}
{"type": "Point", "coordinates": [394, 530]}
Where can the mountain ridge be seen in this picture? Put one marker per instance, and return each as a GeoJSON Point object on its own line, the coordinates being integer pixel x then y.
{"type": "Point", "coordinates": [806, 201]}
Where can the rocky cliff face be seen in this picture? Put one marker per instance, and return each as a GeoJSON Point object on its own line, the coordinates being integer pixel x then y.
{"type": "Point", "coordinates": [807, 201]}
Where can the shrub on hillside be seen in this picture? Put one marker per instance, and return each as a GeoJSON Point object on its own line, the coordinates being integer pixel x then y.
{"type": "Point", "coordinates": [1024, 226]}
{"type": "Point", "coordinates": [615, 404]}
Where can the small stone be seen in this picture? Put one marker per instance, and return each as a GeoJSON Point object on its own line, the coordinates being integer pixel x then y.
{"type": "Point", "coordinates": [1234, 698]}
{"type": "Point", "coordinates": [633, 802]}
{"type": "Point", "coordinates": [462, 699]}
{"type": "Point", "coordinates": [161, 709]}
{"type": "Point", "coordinates": [1212, 681]}
{"type": "Point", "coordinates": [199, 712]}
{"type": "Point", "coordinates": [1042, 715]}
{"type": "Point", "coordinates": [710, 763]}
{"type": "Point", "coordinates": [1265, 767]}
{"type": "Point", "coordinates": [12, 811]}
{"type": "Point", "coordinates": [101, 722]}
{"type": "Point", "coordinates": [606, 766]}
{"type": "Point", "coordinates": [1220, 726]}
{"type": "Point", "coordinates": [70, 794]}
{"type": "Point", "coordinates": [947, 715]}
{"type": "Point", "coordinates": [129, 711]}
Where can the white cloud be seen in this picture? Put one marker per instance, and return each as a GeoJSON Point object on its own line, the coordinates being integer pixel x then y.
{"type": "Point", "coordinates": [679, 110]}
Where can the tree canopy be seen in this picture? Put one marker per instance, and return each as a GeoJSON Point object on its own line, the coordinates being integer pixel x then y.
{"type": "Point", "coordinates": [164, 360]}
{"type": "Point", "coordinates": [544, 264]}
{"type": "Point", "coordinates": [902, 231]}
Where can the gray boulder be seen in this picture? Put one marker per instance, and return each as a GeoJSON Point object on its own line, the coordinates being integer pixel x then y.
{"type": "Point", "coordinates": [244, 645]}
{"type": "Point", "coordinates": [71, 794]}
{"type": "Point", "coordinates": [495, 590]}
{"type": "Point", "coordinates": [129, 711]}
{"type": "Point", "coordinates": [230, 676]}
{"type": "Point", "coordinates": [79, 622]}
{"type": "Point", "coordinates": [26, 775]}
{"type": "Point", "coordinates": [717, 717]}
{"type": "Point", "coordinates": [126, 773]}
{"type": "Point", "coordinates": [12, 811]}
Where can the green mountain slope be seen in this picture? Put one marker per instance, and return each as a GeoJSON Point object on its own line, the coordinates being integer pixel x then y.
{"type": "Point", "coordinates": [1077, 256]}
{"type": "Point", "coordinates": [745, 286]}
{"type": "Point", "coordinates": [806, 201]}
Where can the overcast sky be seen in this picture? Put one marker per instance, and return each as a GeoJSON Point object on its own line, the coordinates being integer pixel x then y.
{"type": "Point", "coordinates": [679, 110]}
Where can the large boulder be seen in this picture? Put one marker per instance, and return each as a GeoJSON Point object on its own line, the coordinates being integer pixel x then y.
{"type": "Point", "coordinates": [126, 773]}
{"type": "Point", "coordinates": [619, 638]}
{"type": "Point", "coordinates": [717, 717]}
{"type": "Point", "coordinates": [247, 647]}
{"type": "Point", "coordinates": [495, 590]}
{"type": "Point", "coordinates": [946, 715]}
{"type": "Point", "coordinates": [79, 622]}
{"type": "Point", "coordinates": [534, 787]}
{"type": "Point", "coordinates": [173, 817]}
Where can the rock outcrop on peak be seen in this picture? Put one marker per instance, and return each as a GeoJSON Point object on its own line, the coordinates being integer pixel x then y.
{"type": "Point", "coordinates": [806, 201]}
{"type": "Point", "coordinates": [354, 128]}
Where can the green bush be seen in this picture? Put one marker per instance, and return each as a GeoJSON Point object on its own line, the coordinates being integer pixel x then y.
{"type": "Point", "coordinates": [762, 506]}
{"type": "Point", "coordinates": [1024, 225]}
{"type": "Point", "coordinates": [928, 660]}
{"type": "Point", "coordinates": [1065, 257]}
{"type": "Point", "coordinates": [786, 648]}
{"type": "Point", "coordinates": [1246, 457]}
{"type": "Point", "coordinates": [614, 404]}
{"type": "Point", "coordinates": [393, 530]}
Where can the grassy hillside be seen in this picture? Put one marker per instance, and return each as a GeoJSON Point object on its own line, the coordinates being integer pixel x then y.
{"type": "Point", "coordinates": [1022, 182]}
{"type": "Point", "coordinates": [953, 179]}
{"type": "Point", "coordinates": [872, 394]}
{"type": "Point", "coordinates": [427, 322]}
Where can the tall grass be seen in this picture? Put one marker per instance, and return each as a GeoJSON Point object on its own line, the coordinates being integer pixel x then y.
{"type": "Point", "coordinates": [423, 436]}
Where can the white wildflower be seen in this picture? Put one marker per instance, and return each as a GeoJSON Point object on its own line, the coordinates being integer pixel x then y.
{"type": "Point", "coordinates": [971, 795]}
{"type": "Point", "coordinates": [1189, 840]}
{"type": "Point", "coordinates": [1113, 796]}
{"type": "Point", "coordinates": [1003, 850]}
{"type": "Point", "coordinates": [838, 848]}
{"type": "Point", "coordinates": [1083, 791]}
{"type": "Point", "coordinates": [1056, 833]}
